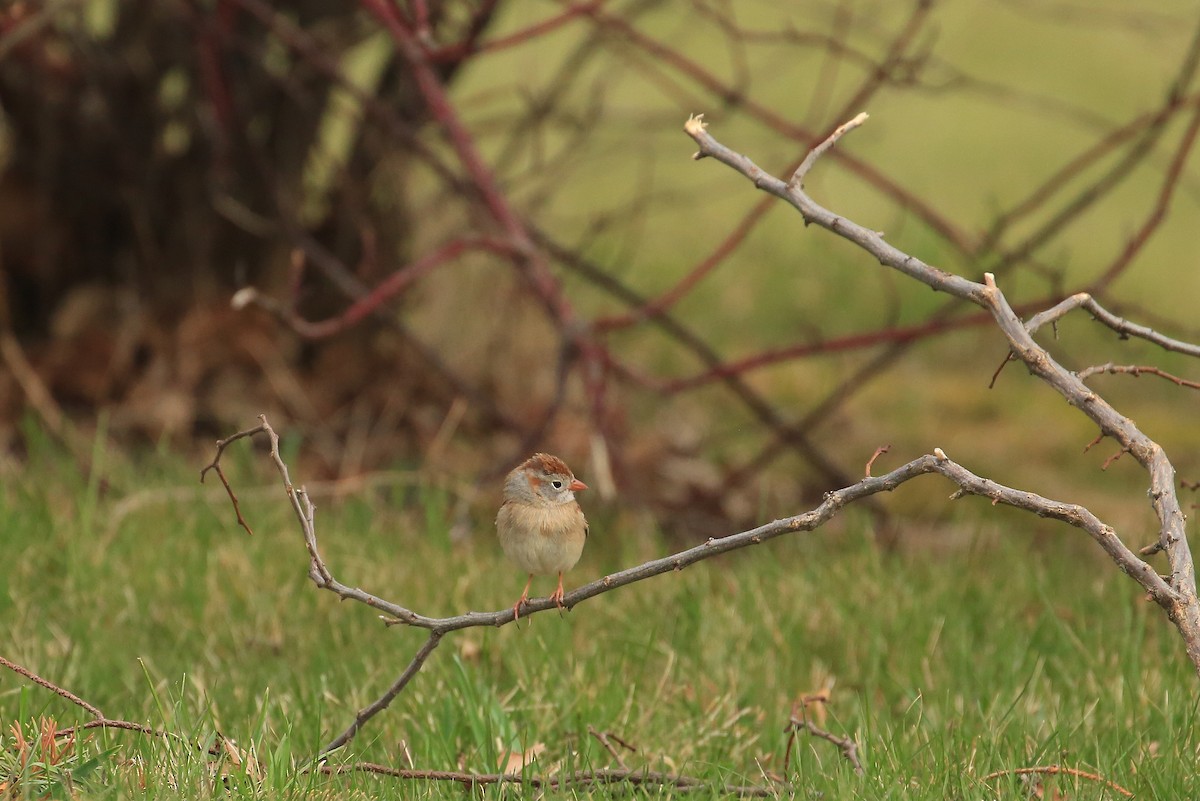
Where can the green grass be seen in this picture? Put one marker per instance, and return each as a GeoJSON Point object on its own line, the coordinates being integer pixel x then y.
{"type": "Point", "coordinates": [997, 646]}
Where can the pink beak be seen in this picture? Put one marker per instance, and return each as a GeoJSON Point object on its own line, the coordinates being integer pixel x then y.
{"type": "Point", "coordinates": [576, 485]}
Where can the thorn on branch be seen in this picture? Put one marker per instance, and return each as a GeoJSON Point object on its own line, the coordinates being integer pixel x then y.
{"type": "Point", "coordinates": [1008, 357]}
{"type": "Point", "coordinates": [1152, 549]}
{"type": "Point", "coordinates": [1108, 462]}
{"type": "Point", "coordinates": [882, 449]}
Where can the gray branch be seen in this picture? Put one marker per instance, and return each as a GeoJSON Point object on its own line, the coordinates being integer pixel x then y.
{"type": "Point", "coordinates": [1180, 602]}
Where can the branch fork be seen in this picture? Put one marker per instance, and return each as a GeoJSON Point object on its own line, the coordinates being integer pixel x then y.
{"type": "Point", "coordinates": [1178, 595]}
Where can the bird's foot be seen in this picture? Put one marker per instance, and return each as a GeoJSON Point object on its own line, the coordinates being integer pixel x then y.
{"type": "Point", "coordinates": [557, 595]}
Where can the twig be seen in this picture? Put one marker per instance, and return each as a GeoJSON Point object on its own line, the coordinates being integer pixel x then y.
{"type": "Point", "coordinates": [1180, 602]}
{"type": "Point", "coordinates": [845, 745]}
{"type": "Point", "coordinates": [833, 503]}
{"type": "Point", "coordinates": [639, 777]}
{"type": "Point", "coordinates": [373, 709]}
{"type": "Point", "coordinates": [215, 465]}
{"type": "Point", "coordinates": [1008, 357]}
{"type": "Point", "coordinates": [799, 720]}
{"type": "Point", "coordinates": [1053, 770]}
{"type": "Point", "coordinates": [1135, 371]}
{"type": "Point", "coordinates": [607, 739]}
{"type": "Point", "coordinates": [49, 685]}
{"type": "Point", "coordinates": [101, 721]}
{"type": "Point", "coordinates": [797, 179]}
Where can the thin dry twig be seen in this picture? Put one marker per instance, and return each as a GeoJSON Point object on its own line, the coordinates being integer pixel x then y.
{"type": "Point", "coordinates": [607, 739]}
{"type": "Point", "coordinates": [49, 685]}
{"type": "Point", "coordinates": [799, 721]}
{"type": "Point", "coordinates": [1054, 770]}
{"type": "Point", "coordinates": [1123, 327]}
{"type": "Point", "coordinates": [638, 777]}
{"type": "Point", "coordinates": [1180, 599]}
{"type": "Point", "coordinates": [101, 721]}
{"type": "Point", "coordinates": [382, 703]}
{"type": "Point", "coordinates": [880, 451]}
{"type": "Point", "coordinates": [1107, 463]}
{"type": "Point", "coordinates": [215, 465]}
{"type": "Point", "coordinates": [1135, 370]}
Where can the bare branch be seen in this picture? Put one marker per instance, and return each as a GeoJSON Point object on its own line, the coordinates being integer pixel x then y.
{"type": "Point", "coordinates": [49, 685]}
{"type": "Point", "coordinates": [638, 777]}
{"type": "Point", "coordinates": [371, 710]}
{"type": "Point", "coordinates": [847, 746]}
{"type": "Point", "coordinates": [1083, 300]}
{"type": "Point", "coordinates": [1135, 371]}
{"type": "Point", "coordinates": [968, 484]}
{"type": "Point", "coordinates": [607, 739]}
{"type": "Point", "coordinates": [1180, 602]}
{"type": "Point", "coordinates": [1053, 770]}
{"type": "Point", "coordinates": [215, 465]}
{"type": "Point", "coordinates": [834, 502]}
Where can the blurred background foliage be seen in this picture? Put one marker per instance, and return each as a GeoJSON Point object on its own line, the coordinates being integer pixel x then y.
{"type": "Point", "coordinates": [473, 230]}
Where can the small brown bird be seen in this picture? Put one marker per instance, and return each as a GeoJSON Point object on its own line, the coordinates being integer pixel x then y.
{"type": "Point", "coordinates": [540, 524]}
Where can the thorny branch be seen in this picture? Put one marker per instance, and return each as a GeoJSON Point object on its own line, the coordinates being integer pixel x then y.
{"type": "Point", "coordinates": [1174, 593]}
{"type": "Point", "coordinates": [1177, 593]}
{"type": "Point", "coordinates": [967, 483]}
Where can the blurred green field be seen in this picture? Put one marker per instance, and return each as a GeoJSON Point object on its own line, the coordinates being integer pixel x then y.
{"type": "Point", "coordinates": [981, 648]}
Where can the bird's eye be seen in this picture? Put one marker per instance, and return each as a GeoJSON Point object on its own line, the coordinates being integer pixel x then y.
{"type": "Point", "coordinates": [556, 484]}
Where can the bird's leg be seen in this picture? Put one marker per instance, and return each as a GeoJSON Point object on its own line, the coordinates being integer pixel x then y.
{"type": "Point", "coordinates": [557, 597]}
{"type": "Point", "coordinates": [524, 597]}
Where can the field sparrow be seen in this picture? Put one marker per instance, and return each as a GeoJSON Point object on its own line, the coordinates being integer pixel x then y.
{"type": "Point", "coordinates": [540, 524]}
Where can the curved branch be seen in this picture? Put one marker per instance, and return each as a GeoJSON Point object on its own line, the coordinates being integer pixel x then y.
{"type": "Point", "coordinates": [968, 484]}
{"type": "Point", "coordinates": [1181, 603]}
{"type": "Point", "coordinates": [579, 779]}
